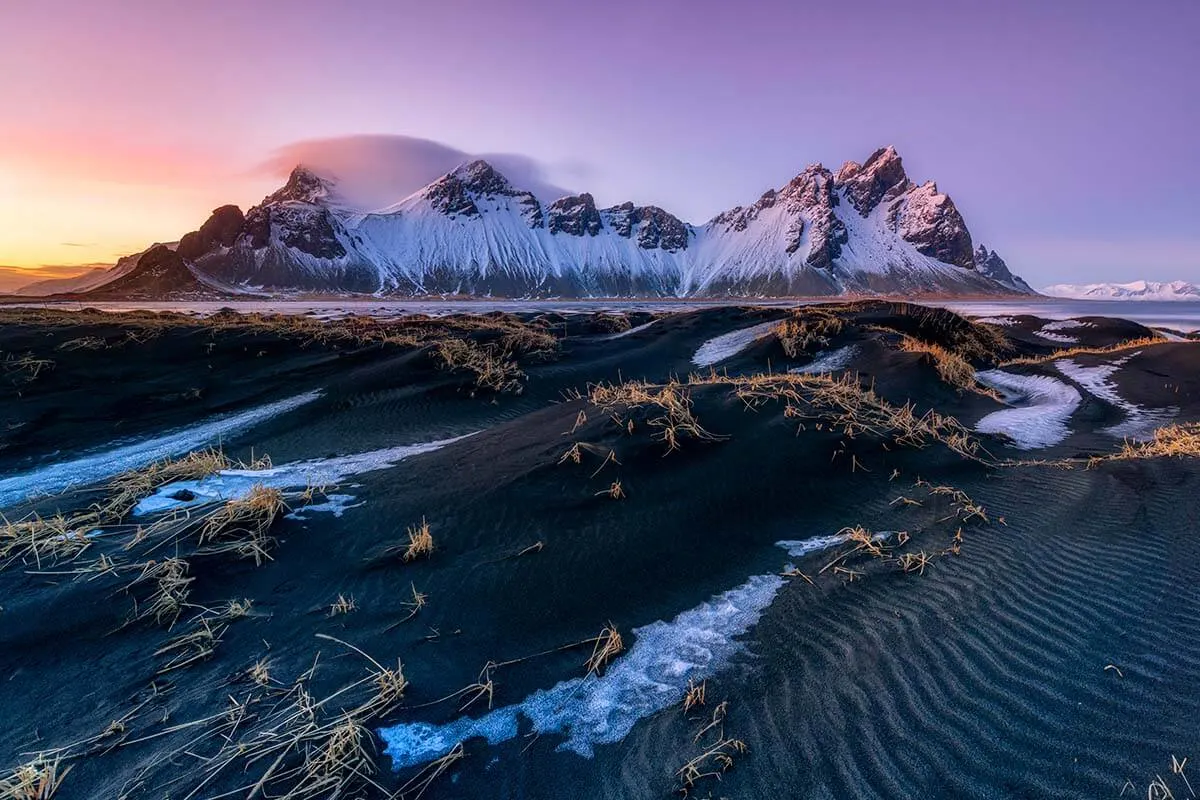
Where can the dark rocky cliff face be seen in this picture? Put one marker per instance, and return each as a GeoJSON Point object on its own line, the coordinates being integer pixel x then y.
{"type": "Point", "coordinates": [931, 222]}
{"type": "Point", "coordinates": [575, 216]}
{"type": "Point", "coordinates": [656, 228]}
{"type": "Point", "coordinates": [220, 230]}
{"type": "Point", "coordinates": [809, 200]}
{"type": "Point", "coordinates": [880, 177]}
{"type": "Point", "coordinates": [989, 264]}
{"type": "Point", "coordinates": [460, 191]}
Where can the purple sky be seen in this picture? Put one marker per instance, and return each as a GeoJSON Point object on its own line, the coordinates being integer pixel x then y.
{"type": "Point", "coordinates": [1063, 130]}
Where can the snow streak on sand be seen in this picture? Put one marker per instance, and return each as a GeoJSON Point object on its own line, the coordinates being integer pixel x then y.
{"type": "Point", "coordinates": [830, 361]}
{"type": "Point", "coordinates": [99, 466]}
{"type": "Point", "coordinates": [231, 484]}
{"type": "Point", "coordinates": [630, 332]}
{"type": "Point", "coordinates": [1139, 422]}
{"type": "Point", "coordinates": [1041, 408]}
{"type": "Point", "coordinates": [1050, 331]}
{"type": "Point", "coordinates": [730, 344]}
{"type": "Point", "coordinates": [1003, 322]}
{"type": "Point", "coordinates": [653, 675]}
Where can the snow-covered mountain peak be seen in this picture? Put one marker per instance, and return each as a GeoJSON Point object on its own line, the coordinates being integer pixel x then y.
{"type": "Point", "coordinates": [471, 188]}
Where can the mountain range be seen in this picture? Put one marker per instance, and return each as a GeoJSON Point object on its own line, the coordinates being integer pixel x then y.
{"type": "Point", "coordinates": [1137, 290]}
{"type": "Point", "coordinates": [866, 229]}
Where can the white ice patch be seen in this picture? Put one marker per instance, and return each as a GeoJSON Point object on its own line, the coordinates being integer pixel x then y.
{"type": "Point", "coordinates": [831, 361]}
{"type": "Point", "coordinates": [730, 344]}
{"type": "Point", "coordinates": [1042, 406]}
{"type": "Point", "coordinates": [1139, 422]}
{"type": "Point", "coordinates": [1050, 331]}
{"type": "Point", "coordinates": [231, 484]}
{"type": "Point", "coordinates": [630, 332]}
{"type": "Point", "coordinates": [336, 504]}
{"type": "Point", "coordinates": [593, 710]}
{"type": "Point", "coordinates": [99, 466]}
{"type": "Point", "coordinates": [1003, 322]}
{"type": "Point", "coordinates": [653, 675]}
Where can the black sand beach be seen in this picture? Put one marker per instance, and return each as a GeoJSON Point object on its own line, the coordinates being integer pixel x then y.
{"type": "Point", "coordinates": [1006, 608]}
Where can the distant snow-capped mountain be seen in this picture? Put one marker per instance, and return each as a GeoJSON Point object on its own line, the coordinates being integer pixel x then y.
{"type": "Point", "coordinates": [1137, 290]}
{"type": "Point", "coordinates": [866, 229]}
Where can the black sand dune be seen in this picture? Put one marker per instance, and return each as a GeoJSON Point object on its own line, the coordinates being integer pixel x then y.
{"type": "Point", "coordinates": [1025, 626]}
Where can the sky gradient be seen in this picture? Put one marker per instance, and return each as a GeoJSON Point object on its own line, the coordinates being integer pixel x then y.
{"type": "Point", "coordinates": [1065, 131]}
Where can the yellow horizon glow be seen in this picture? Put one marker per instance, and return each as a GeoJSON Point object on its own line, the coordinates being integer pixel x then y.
{"type": "Point", "coordinates": [51, 219]}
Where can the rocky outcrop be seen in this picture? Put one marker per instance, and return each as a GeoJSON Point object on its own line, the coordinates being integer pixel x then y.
{"type": "Point", "coordinates": [575, 216]}
{"type": "Point", "coordinates": [881, 177]}
{"type": "Point", "coordinates": [807, 203]}
{"type": "Point", "coordinates": [160, 272]}
{"type": "Point", "coordinates": [220, 230]}
{"type": "Point", "coordinates": [930, 221]}
{"type": "Point", "coordinates": [989, 264]}
{"type": "Point", "coordinates": [655, 227]}
{"type": "Point", "coordinates": [458, 192]}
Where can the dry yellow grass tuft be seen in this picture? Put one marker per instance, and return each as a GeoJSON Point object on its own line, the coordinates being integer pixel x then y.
{"type": "Point", "coordinates": [615, 491]}
{"type": "Point", "coordinates": [1144, 341]}
{"type": "Point", "coordinates": [845, 405]}
{"type": "Point", "coordinates": [694, 696]}
{"type": "Point", "coordinates": [1176, 440]}
{"type": "Point", "coordinates": [129, 487]}
{"type": "Point", "coordinates": [493, 366]}
{"type": "Point", "coordinates": [44, 539]}
{"type": "Point", "coordinates": [808, 328]}
{"type": "Point", "coordinates": [676, 421]}
{"type": "Point", "coordinates": [420, 542]}
{"type": "Point", "coordinates": [951, 367]}
{"type": "Point", "coordinates": [606, 646]}
{"type": "Point", "coordinates": [171, 587]}
{"type": "Point", "coordinates": [240, 526]}
{"type": "Point", "coordinates": [38, 779]}
{"type": "Point", "coordinates": [24, 369]}
{"type": "Point", "coordinates": [192, 647]}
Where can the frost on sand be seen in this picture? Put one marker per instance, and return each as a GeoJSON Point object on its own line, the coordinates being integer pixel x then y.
{"type": "Point", "coordinates": [653, 675]}
{"type": "Point", "coordinates": [101, 465]}
{"type": "Point", "coordinates": [730, 344]}
{"type": "Point", "coordinates": [231, 484]}
{"type": "Point", "coordinates": [1041, 408]}
{"type": "Point", "coordinates": [1139, 422]}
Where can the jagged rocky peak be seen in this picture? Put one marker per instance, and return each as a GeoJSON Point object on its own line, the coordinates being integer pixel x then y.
{"type": "Point", "coordinates": [655, 227]}
{"type": "Point", "coordinates": [990, 265]}
{"type": "Point", "coordinates": [459, 192]}
{"type": "Point", "coordinates": [930, 221]}
{"type": "Point", "coordinates": [881, 177]}
{"type": "Point", "coordinates": [296, 216]}
{"type": "Point", "coordinates": [810, 195]}
{"type": "Point", "coordinates": [303, 186]}
{"type": "Point", "coordinates": [574, 215]}
{"type": "Point", "coordinates": [808, 202]}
